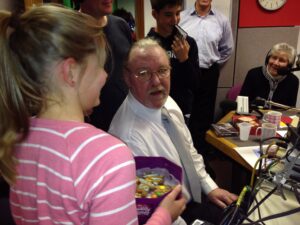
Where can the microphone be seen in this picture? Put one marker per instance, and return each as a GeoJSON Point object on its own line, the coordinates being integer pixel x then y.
{"type": "Point", "coordinates": [258, 101]}
{"type": "Point", "coordinates": [282, 106]}
{"type": "Point", "coordinates": [264, 101]}
{"type": "Point", "coordinates": [286, 70]}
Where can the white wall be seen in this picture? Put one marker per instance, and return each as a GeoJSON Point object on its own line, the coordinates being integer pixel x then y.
{"type": "Point", "coordinates": [128, 5]}
{"type": "Point", "coordinates": [5, 4]}
{"type": "Point", "coordinates": [149, 21]}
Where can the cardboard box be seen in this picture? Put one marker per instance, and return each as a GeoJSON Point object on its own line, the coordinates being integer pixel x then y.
{"type": "Point", "coordinates": [246, 118]}
{"type": "Point", "coordinates": [146, 206]}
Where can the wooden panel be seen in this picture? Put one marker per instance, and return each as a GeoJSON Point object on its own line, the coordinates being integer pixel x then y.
{"type": "Point", "coordinates": [29, 3]}
{"type": "Point", "coordinates": [139, 18]}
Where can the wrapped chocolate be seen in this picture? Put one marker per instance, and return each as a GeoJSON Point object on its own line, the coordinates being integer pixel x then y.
{"type": "Point", "coordinates": [156, 177]}
{"type": "Point", "coordinates": [154, 182]}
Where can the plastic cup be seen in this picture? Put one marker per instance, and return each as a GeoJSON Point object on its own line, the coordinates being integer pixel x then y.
{"type": "Point", "coordinates": [244, 130]}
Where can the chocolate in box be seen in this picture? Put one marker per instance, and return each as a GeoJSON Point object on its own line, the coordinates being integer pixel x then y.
{"type": "Point", "coordinates": [146, 206]}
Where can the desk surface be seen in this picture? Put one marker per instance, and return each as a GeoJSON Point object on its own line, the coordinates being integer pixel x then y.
{"type": "Point", "coordinates": [225, 145]}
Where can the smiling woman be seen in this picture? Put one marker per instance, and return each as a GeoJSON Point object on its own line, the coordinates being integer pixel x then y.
{"type": "Point", "coordinates": [265, 82]}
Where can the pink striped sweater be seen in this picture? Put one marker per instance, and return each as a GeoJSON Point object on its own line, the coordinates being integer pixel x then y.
{"type": "Point", "coordinates": [73, 173]}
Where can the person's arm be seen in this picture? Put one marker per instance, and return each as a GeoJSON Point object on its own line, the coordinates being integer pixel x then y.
{"type": "Point", "coordinates": [207, 183]}
{"type": "Point", "coordinates": [181, 49]}
{"type": "Point", "coordinates": [169, 209]}
{"type": "Point", "coordinates": [221, 197]}
{"type": "Point", "coordinates": [218, 196]}
{"type": "Point", "coordinates": [188, 68]}
{"type": "Point", "coordinates": [226, 44]}
{"type": "Point", "coordinates": [125, 30]}
{"type": "Point", "coordinates": [161, 216]}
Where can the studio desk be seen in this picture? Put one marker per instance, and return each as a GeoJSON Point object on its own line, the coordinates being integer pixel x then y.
{"type": "Point", "coordinates": [275, 204]}
{"type": "Point", "coordinates": [228, 145]}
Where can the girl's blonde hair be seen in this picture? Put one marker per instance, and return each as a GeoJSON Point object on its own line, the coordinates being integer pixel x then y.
{"type": "Point", "coordinates": [30, 44]}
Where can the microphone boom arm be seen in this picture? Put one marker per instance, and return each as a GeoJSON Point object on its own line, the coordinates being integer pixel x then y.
{"type": "Point", "coordinates": [282, 106]}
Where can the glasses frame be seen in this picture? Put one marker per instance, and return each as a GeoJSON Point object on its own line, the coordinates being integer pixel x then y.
{"type": "Point", "coordinates": [159, 73]}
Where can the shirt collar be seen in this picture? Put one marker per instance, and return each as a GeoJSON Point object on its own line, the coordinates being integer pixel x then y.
{"type": "Point", "coordinates": [193, 12]}
{"type": "Point", "coordinates": [144, 112]}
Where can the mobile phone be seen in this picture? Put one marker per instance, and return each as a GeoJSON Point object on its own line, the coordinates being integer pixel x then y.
{"type": "Point", "coordinates": [198, 222]}
{"type": "Point", "coordinates": [180, 32]}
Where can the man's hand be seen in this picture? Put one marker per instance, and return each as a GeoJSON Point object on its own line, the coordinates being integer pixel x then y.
{"type": "Point", "coordinates": [221, 197]}
{"type": "Point", "coordinates": [173, 206]}
{"type": "Point", "coordinates": [181, 49]}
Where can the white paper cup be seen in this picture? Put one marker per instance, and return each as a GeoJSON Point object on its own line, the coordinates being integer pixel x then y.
{"type": "Point", "coordinates": [244, 130]}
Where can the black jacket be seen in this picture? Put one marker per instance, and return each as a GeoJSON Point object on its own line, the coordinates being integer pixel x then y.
{"type": "Point", "coordinates": [184, 75]}
{"type": "Point", "coordinates": [115, 90]}
{"type": "Point", "coordinates": [257, 85]}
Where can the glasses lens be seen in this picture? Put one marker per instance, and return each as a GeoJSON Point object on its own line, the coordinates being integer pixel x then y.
{"type": "Point", "coordinates": [143, 75]}
{"type": "Point", "coordinates": [146, 75]}
{"type": "Point", "coordinates": [163, 72]}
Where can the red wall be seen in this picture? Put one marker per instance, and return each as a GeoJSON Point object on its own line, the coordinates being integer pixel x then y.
{"type": "Point", "coordinates": [253, 15]}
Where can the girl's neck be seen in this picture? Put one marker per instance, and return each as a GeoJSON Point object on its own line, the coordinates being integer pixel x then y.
{"type": "Point", "coordinates": [61, 113]}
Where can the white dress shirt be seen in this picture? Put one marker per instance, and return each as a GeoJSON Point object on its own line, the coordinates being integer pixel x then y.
{"type": "Point", "coordinates": [212, 34]}
{"type": "Point", "coordinates": [141, 128]}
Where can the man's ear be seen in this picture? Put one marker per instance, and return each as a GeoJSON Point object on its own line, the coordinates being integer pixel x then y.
{"type": "Point", "coordinates": [69, 71]}
{"type": "Point", "coordinates": [126, 77]}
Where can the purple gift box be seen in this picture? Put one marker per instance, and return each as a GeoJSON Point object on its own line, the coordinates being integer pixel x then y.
{"type": "Point", "coordinates": [146, 206]}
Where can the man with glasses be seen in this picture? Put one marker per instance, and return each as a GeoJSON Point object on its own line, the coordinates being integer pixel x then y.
{"type": "Point", "coordinates": [182, 50]}
{"type": "Point", "coordinates": [141, 124]}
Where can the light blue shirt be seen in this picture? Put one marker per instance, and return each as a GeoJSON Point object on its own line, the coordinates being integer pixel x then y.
{"type": "Point", "coordinates": [212, 34]}
{"type": "Point", "coordinates": [142, 129]}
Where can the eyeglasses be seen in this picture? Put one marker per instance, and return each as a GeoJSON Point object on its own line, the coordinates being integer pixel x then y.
{"type": "Point", "coordinates": [146, 75]}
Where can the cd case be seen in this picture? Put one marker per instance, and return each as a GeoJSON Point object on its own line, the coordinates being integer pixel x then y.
{"type": "Point", "coordinates": [224, 130]}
